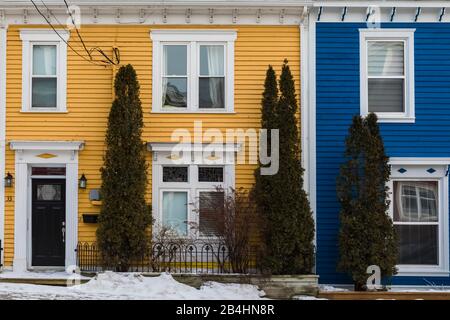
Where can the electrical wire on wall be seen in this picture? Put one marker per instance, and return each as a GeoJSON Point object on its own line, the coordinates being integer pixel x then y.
{"type": "Point", "coordinates": [104, 61]}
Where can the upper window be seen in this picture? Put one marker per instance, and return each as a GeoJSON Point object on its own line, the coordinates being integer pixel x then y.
{"type": "Point", "coordinates": [193, 71]}
{"type": "Point", "coordinates": [387, 74]}
{"type": "Point", "coordinates": [44, 70]}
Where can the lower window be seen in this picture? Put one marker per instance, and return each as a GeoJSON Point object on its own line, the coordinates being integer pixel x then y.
{"type": "Point", "coordinates": [416, 220]}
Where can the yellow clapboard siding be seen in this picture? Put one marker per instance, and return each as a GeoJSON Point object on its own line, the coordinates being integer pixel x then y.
{"type": "Point", "coordinates": [89, 97]}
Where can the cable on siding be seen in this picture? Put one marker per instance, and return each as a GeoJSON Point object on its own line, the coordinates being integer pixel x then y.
{"type": "Point", "coordinates": [442, 14]}
{"type": "Point", "coordinates": [393, 12]}
{"type": "Point", "coordinates": [344, 12]}
{"type": "Point", "coordinates": [419, 10]}
{"type": "Point", "coordinates": [320, 13]}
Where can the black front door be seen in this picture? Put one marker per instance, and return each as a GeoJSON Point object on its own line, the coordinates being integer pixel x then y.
{"type": "Point", "coordinates": [48, 222]}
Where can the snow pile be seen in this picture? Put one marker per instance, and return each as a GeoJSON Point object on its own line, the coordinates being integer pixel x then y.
{"type": "Point", "coordinates": [114, 286]}
{"type": "Point", "coordinates": [327, 288]}
{"type": "Point", "coordinates": [163, 287]}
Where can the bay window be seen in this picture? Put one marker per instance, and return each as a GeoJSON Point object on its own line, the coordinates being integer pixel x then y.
{"type": "Point", "coordinates": [44, 70]}
{"type": "Point", "coordinates": [193, 70]}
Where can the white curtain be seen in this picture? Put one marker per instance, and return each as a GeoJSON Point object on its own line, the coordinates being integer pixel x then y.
{"type": "Point", "coordinates": [164, 80]}
{"type": "Point", "coordinates": [44, 60]}
{"type": "Point", "coordinates": [175, 211]}
{"type": "Point", "coordinates": [215, 68]}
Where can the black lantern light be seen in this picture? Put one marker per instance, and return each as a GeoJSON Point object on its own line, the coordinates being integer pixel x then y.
{"type": "Point", "coordinates": [83, 182]}
{"type": "Point", "coordinates": [9, 180]}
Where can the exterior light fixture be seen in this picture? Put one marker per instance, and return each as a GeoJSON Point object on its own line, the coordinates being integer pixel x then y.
{"type": "Point", "coordinates": [82, 182]}
{"type": "Point", "coordinates": [9, 180]}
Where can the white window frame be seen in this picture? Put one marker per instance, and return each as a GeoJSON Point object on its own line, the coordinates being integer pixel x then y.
{"type": "Point", "coordinates": [407, 37]}
{"type": "Point", "coordinates": [31, 37]}
{"type": "Point", "coordinates": [193, 39]}
{"type": "Point", "coordinates": [416, 170]}
{"type": "Point", "coordinates": [162, 158]}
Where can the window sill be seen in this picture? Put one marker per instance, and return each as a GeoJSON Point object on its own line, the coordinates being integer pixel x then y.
{"type": "Point", "coordinates": [194, 112]}
{"type": "Point", "coordinates": [422, 272]}
{"type": "Point", "coordinates": [44, 111]}
{"type": "Point", "coordinates": [396, 120]}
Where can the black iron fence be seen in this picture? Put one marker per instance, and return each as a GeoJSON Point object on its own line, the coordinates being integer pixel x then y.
{"type": "Point", "coordinates": [191, 257]}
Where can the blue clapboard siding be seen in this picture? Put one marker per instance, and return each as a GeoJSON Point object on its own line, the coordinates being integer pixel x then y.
{"type": "Point", "coordinates": [337, 63]}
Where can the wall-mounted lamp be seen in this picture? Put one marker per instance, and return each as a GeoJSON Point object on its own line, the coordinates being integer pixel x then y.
{"type": "Point", "coordinates": [82, 183]}
{"type": "Point", "coordinates": [9, 180]}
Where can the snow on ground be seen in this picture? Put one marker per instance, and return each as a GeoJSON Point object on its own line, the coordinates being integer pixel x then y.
{"type": "Point", "coordinates": [307, 298]}
{"type": "Point", "coordinates": [114, 286]}
{"type": "Point", "coordinates": [328, 288]}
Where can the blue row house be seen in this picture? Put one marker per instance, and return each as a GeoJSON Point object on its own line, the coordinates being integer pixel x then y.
{"type": "Point", "coordinates": [392, 59]}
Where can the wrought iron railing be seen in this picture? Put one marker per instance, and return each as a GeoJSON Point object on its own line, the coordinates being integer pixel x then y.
{"type": "Point", "coordinates": [191, 257]}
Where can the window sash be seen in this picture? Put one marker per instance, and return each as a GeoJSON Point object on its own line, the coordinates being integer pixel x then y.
{"type": "Point", "coordinates": [50, 76]}
{"type": "Point", "coordinates": [193, 76]}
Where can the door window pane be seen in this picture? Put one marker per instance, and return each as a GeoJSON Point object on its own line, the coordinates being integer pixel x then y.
{"type": "Point", "coordinates": [211, 213]}
{"type": "Point", "coordinates": [43, 93]}
{"type": "Point", "coordinates": [175, 211]}
{"type": "Point", "coordinates": [48, 171]}
{"type": "Point", "coordinates": [49, 192]}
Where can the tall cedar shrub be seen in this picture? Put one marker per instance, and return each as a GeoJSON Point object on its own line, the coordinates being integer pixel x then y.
{"type": "Point", "coordinates": [367, 236]}
{"type": "Point", "coordinates": [125, 217]}
{"type": "Point", "coordinates": [281, 200]}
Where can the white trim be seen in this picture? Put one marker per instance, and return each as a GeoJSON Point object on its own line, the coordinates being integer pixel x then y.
{"type": "Point", "coordinates": [46, 145]}
{"type": "Point", "coordinates": [417, 171]}
{"type": "Point", "coordinates": [30, 37]}
{"type": "Point", "coordinates": [388, 4]}
{"type": "Point", "coordinates": [419, 161]}
{"type": "Point", "coordinates": [169, 146]}
{"type": "Point", "coordinates": [160, 153]}
{"type": "Point", "coordinates": [406, 35]}
{"type": "Point", "coordinates": [27, 154]}
{"type": "Point", "coordinates": [310, 117]}
{"type": "Point", "coordinates": [3, 37]}
{"type": "Point", "coordinates": [192, 39]}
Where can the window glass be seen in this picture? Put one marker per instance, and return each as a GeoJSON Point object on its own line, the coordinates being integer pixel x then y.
{"type": "Point", "coordinates": [211, 217]}
{"type": "Point", "coordinates": [210, 174]}
{"type": "Point", "coordinates": [48, 192]}
{"type": "Point", "coordinates": [175, 174]}
{"type": "Point", "coordinates": [386, 76]}
{"type": "Point", "coordinates": [44, 79]}
{"type": "Point", "coordinates": [175, 210]}
{"type": "Point", "coordinates": [175, 76]}
{"type": "Point", "coordinates": [212, 80]}
{"type": "Point", "coordinates": [416, 220]}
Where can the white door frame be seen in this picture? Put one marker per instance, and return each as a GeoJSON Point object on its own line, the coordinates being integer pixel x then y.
{"type": "Point", "coordinates": [51, 153]}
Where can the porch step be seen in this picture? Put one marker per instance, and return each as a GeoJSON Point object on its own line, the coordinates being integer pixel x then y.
{"type": "Point", "coordinates": [353, 295]}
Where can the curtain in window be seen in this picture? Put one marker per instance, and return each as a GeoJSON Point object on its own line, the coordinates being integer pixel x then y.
{"type": "Point", "coordinates": [215, 68]}
{"type": "Point", "coordinates": [44, 79]}
{"type": "Point", "coordinates": [44, 60]}
{"type": "Point", "coordinates": [175, 211]}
